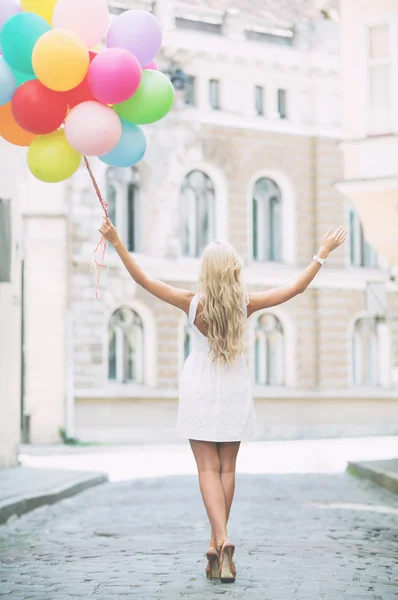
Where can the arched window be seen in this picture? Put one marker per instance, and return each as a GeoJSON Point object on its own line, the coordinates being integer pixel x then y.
{"type": "Point", "coordinates": [123, 197]}
{"type": "Point", "coordinates": [269, 351]}
{"type": "Point", "coordinates": [126, 347]}
{"type": "Point", "coordinates": [267, 221]}
{"type": "Point", "coordinates": [365, 352]}
{"type": "Point", "coordinates": [362, 254]}
{"type": "Point", "coordinates": [197, 213]}
{"type": "Point", "coordinates": [187, 340]}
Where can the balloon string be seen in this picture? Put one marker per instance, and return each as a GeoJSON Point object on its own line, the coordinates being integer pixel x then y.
{"type": "Point", "coordinates": [102, 244]}
{"type": "Point", "coordinates": [95, 184]}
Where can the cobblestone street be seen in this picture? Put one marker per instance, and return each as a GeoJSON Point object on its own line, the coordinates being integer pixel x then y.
{"type": "Point", "coordinates": [298, 537]}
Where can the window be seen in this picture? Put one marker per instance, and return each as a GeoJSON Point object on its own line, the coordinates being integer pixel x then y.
{"type": "Point", "coordinates": [214, 94]}
{"type": "Point", "coordinates": [197, 213]}
{"type": "Point", "coordinates": [126, 347]}
{"type": "Point", "coordinates": [124, 206]}
{"type": "Point", "coordinates": [280, 38]}
{"type": "Point", "coordinates": [282, 104]}
{"type": "Point", "coordinates": [365, 360]}
{"type": "Point", "coordinates": [259, 100]}
{"type": "Point", "coordinates": [362, 254]}
{"type": "Point", "coordinates": [267, 221]}
{"type": "Point", "coordinates": [187, 340]}
{"type": "Point", "coordinates": [190, 91]}
{"type": "Point", "coordinates": [132, 213]}
{"type": "Point", "coordinates": [269, 351]}
{"type": "Point", "coordinates": [194, 24]}
{"type": "Point", "coordinates": [379, 80]}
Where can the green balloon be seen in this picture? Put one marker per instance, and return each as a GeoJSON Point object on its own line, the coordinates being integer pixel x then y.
{"type": "Point", "coordinates": [18, 37]}
{"type": "Point", "coordinates": [51, 158]}
{"type": "Point", "coordinates": [151, 102]}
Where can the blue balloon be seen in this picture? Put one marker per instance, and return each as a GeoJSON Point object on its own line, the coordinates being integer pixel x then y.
{"type": "Point", "coordinates": [130, 148]}
{"type": "Point", "coordinates": [18, 38]}
{"type": "Point", "coordinates": [8, 83]}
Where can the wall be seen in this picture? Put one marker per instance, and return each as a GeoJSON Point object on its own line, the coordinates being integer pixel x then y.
{"type": "Point", "coordinates": [10, 317]}
{"type": "Point", "coordinates": [354, 15]}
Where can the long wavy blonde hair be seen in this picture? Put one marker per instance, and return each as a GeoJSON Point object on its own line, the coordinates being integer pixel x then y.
{"type": "Point", "coordinates": [222, 295]}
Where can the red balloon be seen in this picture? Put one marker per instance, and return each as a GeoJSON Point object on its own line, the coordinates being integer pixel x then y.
{"type": "Point", "coordinates": [82, 92]}
{"type": "Point", "coordinates": [37, 109]}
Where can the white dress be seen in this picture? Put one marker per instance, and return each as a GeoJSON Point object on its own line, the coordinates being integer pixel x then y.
{"type": "Point", "coordinates": [215, 400]}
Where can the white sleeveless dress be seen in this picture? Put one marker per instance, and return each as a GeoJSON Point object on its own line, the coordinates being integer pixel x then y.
{"type": "Point", "coordinates": [215, 400]}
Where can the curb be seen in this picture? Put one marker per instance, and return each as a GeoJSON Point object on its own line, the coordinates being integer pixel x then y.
{"type": "Point", "coordinates": [383, 478]}
{"type": "Point", "coordinates": [24, 505]}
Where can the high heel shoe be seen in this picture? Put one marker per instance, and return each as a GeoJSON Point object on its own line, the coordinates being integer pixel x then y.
{"type": "Point", "coordinates": [213, 568]}
{"type": "Point", "coordinates": [227, 568]}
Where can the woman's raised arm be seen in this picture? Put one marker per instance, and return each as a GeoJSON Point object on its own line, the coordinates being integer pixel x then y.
{"type": "Point", "coordinates": [172, 295]}
{"type": "Point", "coordinates": [261, 300]}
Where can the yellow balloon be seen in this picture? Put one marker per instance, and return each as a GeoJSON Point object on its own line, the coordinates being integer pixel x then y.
{"type": "Point", "coordinates": [60, 60]}
{"type": "Point", "coordinates": [51, 158]}
{"type": "Point", "coordinates": [44, 8]}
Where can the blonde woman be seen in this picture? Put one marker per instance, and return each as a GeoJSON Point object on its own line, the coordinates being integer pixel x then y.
{"type": "Point", "coordinates": [216, 411]}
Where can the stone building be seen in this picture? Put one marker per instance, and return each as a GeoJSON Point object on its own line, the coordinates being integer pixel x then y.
{"type": "Point", "coordinates": [249, 153]}
{"type": "Point", "coordinates": [370, 125]}
{"type": "Point", "coordinates": [11, 255]}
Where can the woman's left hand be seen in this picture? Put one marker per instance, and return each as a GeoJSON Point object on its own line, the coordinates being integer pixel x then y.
{"type": "Point", "coordinates": [109, 231]}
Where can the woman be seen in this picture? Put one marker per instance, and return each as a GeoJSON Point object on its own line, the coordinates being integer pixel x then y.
{"type": "Point", "coordinates": [216, 411]}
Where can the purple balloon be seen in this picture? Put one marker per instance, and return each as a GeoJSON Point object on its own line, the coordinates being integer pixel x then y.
{"type": "Point", "coordinates": [8, 8]}
{"type": "Point", "coordinates": [137, 31]}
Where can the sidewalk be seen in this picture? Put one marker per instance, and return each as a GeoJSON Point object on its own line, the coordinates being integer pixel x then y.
{"type": "Point", "coordinates": [51, 473]}
{"type": "Point", "coordinates": [24, 488]}
{"type": "Point", "coordinates": [382, 472]}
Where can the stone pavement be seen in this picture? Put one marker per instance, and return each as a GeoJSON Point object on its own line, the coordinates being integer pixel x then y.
{"type": "Point", "coordinates": [299, 537]}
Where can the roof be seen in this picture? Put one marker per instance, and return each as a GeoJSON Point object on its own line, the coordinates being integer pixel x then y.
{"type": "Point", "coordinates": [281, 12]}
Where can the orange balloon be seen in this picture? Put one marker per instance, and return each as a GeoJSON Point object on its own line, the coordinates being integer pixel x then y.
{"type": "Point", "coordinates": [10, 130]}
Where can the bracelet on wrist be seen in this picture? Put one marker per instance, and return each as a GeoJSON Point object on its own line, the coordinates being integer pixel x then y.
{"type": "Point", "coordinates": [318, 259]}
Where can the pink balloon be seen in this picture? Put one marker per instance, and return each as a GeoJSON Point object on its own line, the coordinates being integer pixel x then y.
{"type": "Point", "coordinates": [152, 66]}
{"type": "Point", "coordinates": [88, 18]}
{"type": "Point", "coordinates": [93, 129]}
{"type": "Point", "coordinates": [114, 76]}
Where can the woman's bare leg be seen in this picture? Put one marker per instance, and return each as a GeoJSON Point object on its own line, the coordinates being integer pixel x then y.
{"type": "Point", "coordinates": [228, 453]}
{"type": "Point", "coordinates": [209, 469]}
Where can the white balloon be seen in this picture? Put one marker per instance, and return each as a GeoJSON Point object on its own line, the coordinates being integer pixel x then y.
{"type": "Point", "coordinates": [88, 18]}
{"type": "Point", "coordinates": [93, 129]}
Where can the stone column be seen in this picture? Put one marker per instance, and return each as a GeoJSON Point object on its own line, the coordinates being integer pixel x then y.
{"type": "Point", "coordinates": [45, 228]}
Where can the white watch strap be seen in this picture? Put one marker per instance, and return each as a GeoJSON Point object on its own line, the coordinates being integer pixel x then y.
{"type": "Point", "coordinates": [318, 259]}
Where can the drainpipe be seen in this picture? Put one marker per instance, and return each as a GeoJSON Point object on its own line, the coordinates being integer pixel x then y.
{"type": "Point", "coordinates": [69, 354]}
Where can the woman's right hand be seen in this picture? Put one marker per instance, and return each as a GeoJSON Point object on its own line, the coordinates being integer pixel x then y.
{"type": "Point", "coordinates": [332, 240]}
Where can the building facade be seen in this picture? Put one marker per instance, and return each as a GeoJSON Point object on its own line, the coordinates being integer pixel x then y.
{"type": "Point", "coordinates": [250, 153]}
{"type": "Point", "coordinates": [11, 260]}
{"type": "Point", "coordinates": [370, 126]}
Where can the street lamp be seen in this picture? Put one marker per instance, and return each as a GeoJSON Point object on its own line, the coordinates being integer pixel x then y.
{"type": "Point", "coordinates": [178, 78]}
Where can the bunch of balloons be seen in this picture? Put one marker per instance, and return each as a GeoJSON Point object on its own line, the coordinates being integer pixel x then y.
{"type": "Point", "coordinates": [63, 99]}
